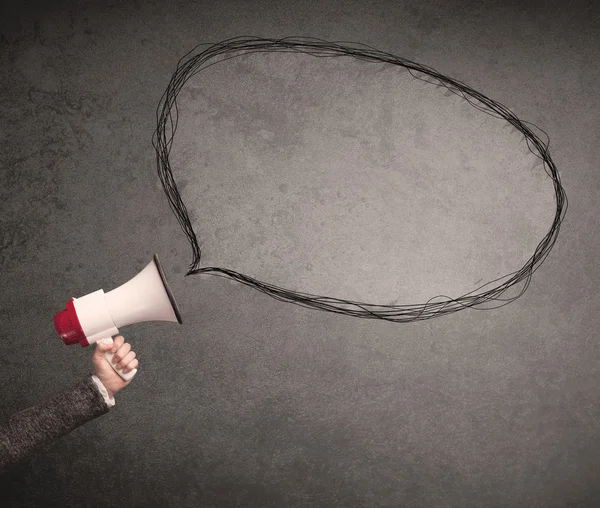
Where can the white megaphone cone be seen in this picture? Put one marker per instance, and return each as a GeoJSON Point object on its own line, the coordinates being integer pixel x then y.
{"type": "Point", "coordinates": [98, 316]}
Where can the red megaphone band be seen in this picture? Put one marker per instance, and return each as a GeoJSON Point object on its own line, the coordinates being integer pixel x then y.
{"type": "Point", "coordinates": [68, 326]}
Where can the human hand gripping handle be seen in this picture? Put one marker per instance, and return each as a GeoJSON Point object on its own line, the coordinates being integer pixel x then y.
{"type": "Point", "coordinates": [121, 359]}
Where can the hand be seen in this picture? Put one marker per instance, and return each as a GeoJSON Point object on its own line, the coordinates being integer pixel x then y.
{"type": "Point", "coordinates": [125, 359]}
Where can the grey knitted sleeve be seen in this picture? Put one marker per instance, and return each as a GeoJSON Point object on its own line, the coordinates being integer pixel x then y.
{"type": "Point", "coordinates": [32, 429]}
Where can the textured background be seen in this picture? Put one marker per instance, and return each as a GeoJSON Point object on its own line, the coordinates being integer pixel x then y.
{"type": "Point", "coordinates": [254, 402]}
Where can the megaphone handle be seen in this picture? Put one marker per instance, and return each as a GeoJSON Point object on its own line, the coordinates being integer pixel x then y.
{"type": "Point", "coordinates": [109, 356]}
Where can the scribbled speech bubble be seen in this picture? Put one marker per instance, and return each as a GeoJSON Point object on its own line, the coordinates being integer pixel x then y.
{"type": "Point", "coordinates": [354, 181]}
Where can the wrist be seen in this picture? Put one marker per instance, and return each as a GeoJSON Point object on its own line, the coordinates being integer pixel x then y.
{"type": "Point", "coordinates": [106, 392]}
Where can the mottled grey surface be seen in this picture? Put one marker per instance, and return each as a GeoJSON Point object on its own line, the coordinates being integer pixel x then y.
{"type": "Point", "coordinates": [253, 402]}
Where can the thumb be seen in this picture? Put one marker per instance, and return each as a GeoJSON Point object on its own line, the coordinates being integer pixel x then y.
{"type": "Point", "coordinates": [103, 347]}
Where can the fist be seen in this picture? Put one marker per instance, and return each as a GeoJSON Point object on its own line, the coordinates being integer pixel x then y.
{"type": "Point", "coordinates": [124, 358]}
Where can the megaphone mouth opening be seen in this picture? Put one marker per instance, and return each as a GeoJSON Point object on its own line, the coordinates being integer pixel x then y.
{"type": "Point", "coordinates": [168, 289]}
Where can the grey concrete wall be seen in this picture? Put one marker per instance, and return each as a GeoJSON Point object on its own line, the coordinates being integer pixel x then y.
{"type": "Point", "coordinates": [253, 402]}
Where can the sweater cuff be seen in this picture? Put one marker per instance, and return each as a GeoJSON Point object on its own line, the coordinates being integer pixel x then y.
{"type": "Point", "coordinates": [110, 401]}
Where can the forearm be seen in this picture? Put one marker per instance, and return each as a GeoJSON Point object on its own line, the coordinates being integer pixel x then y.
{"type": "Point", "coordinates": [38, 426]}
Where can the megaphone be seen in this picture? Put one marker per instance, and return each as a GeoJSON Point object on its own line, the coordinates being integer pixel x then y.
{"type": "Point", "coordinates": [97, 317]}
